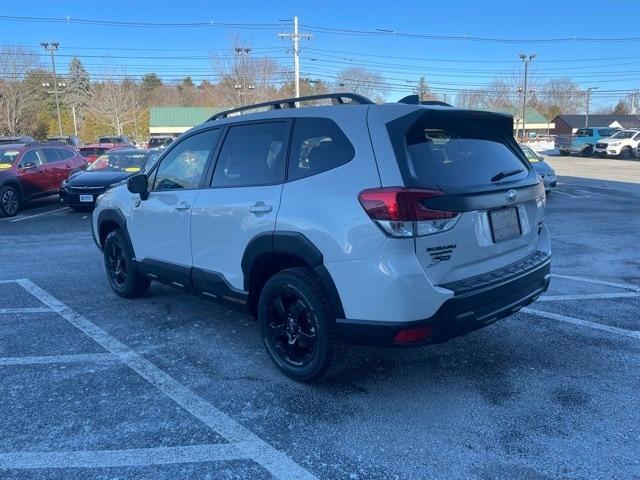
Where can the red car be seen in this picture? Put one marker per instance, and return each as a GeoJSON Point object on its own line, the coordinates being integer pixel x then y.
{"type": "Point", "coordinates": [33, 170]}
{"type": "Point", "coordinates": [92, 151]}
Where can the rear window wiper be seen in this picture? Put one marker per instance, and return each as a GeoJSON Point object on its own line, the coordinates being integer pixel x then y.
{"type": "Point", "coordinates": [508, 173]}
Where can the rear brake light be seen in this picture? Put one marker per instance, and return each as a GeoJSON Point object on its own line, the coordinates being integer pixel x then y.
{"type": "Point", "coordinates": [413, 335]}
{"type": "Point", "coordinates": [401, 212]}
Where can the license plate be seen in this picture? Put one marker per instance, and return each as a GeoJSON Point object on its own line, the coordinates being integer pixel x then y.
{"type": "Point", "coordinates": [505, 224]}
{"type": "Point", "coordinates": [86, 198]}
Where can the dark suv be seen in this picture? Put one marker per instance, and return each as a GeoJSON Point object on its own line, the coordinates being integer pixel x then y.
{"type": "Point", "coordinates": [33, 170]}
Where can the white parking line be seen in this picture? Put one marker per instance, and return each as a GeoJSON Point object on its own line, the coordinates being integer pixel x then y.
{"type": "Point", "coordinates": [80, 358]}
{"type": "Point", "coordinates": [627, 286]}
{"type": "Point", "coordinates": [249, 445]}
{"type": "Point", "coordinates": [19, 219]}
{"type": "Point", "coordinates": [122, 458]}
{"type": "Point", "coordinates": [556, 191]}
{"type": "Point", "coordinates": [587, 296]}
{"type": "Point", "coordinates": [583, 323]}
{"type": "Point", "coordinates": [24, 310]}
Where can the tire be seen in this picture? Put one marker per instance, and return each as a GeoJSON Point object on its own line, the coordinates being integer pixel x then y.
{"type": "Point", "coordinates": [587, 151]}
{"type": "Point", "coordinates": [294, 312]}
{"type": "Point", "coordinates": [565, 153]}
{"type": "Point", "coordinates": [625, 153]}
{"type": "Point", "coordinates": [10, 201]}
{"type": "Point", "coordinates": [121, 268]}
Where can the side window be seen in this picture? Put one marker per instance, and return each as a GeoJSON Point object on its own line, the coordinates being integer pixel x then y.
{"type": "Point", "coordinates": [65, 154]}
{"type": "Point", "coordinates": [318, 145]}
{"type": "Point", "coordinates": [51, 155]}
{"type": "Point", "coordinates": [183, 166]}
{"type": "Point", "coordinates": [31, 157]}
{"type": "Point", "coordinates": [252, 155]}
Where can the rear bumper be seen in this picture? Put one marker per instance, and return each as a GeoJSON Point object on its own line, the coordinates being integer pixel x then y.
{"type": "Point", "coordinates": [477, 302]}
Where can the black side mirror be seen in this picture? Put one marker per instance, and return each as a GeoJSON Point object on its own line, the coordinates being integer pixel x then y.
{"type": "Point", "coordinates": [28, 165]}
{"type": "Point", "coordinates": [139, 184]}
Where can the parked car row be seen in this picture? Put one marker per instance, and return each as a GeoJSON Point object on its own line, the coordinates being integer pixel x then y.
{"type": "Point", "coordinates": [605, 142]}
{"type": "Point", "coordinates": [32, 170]}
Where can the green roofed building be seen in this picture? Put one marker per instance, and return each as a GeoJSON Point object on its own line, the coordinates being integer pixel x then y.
{"type": "Point", "coordinates": [535, 122]}
{"type": "Point", "coordinates": [176, 120]}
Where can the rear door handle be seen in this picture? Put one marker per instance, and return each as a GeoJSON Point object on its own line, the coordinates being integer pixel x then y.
{"type": "Point", "coordinates": [260, 207]}
{"type": "Point", "coordinates": [182, 206]}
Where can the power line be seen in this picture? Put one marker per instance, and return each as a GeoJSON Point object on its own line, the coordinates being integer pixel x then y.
{"type": "Point", "coordinates": [117, 23]}
{"type": "Point", "coordinates": [465, 38]}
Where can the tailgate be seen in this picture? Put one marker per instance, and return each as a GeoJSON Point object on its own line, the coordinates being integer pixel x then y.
{"type": "Point", "coordinates": [473, 159]}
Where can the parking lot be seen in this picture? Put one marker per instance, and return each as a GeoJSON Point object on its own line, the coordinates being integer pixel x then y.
{"type": "Point", "coordinates": [173, 386]}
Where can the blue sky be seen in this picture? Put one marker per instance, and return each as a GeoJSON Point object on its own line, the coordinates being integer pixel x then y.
{"type": "Point", "coordinates": [447, 64]}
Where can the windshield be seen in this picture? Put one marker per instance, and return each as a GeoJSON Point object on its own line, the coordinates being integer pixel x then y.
{"type": "Point", "coordinates": [123, 161]}
{"type": "Point", "coordinates": [7, 157]}
{"type": "Point", "coordinates": [623, 134]}
{"type": "Point", "coordinates": [530, 154]}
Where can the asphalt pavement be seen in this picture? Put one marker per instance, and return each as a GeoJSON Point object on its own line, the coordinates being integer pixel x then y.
{"type": "Point", "coordinates": [173, 386]}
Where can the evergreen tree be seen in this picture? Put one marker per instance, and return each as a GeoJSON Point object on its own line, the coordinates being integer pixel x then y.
{"type": "Point", "coordinates": [422, 89]}
{"type": "Point", "coordinates": [78, 85]}
{"type": "Point", "coordinates": [621, 108]}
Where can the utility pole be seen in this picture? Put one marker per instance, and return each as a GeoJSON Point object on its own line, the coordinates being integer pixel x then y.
{"type": "Point", "coordinates": [243, 53]}
{"type": "Point", "coordinates": [586, 118]}
{"type": "Point", "coordinates": [634, 103]}
{"type": "Point", "coordinates": [526, 60]}
{"type": "Point", "coordinates": [52, 48]}
{"type": "Point", "coordinates": [295, 37]}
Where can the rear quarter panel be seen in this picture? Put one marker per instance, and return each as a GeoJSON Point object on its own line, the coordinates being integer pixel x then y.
{"type": "Point", "coordinates": [325, 207]}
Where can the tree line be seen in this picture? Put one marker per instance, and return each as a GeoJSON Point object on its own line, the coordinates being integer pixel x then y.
{"type": "Point", "coordinates": [116, 103]}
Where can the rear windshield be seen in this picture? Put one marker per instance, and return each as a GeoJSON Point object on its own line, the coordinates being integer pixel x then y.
{"type": "Point", "coordinates": [110, 140]}
{"type": "Point", "coordinates": [92, 152]}
{"type": "Point", "coordinates": [158, 142]}
{"type": "Point", "coordinates": [462, 154]}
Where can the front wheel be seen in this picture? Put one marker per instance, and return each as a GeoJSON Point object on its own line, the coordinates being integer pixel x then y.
{"type": "Point", "coordinates": [298, 326]}
{"type": "Point", "coordinates": [588, 151]}
{"type": "Point", "coordinates": [122, 272]}
{"type": "Point", "coordinates": [626, 153]}
{"type": "Point", "coordinates": [9, 201]}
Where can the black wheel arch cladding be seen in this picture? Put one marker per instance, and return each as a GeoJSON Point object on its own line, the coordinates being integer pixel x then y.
{"type": "Point", "coordinates": [292, 244]}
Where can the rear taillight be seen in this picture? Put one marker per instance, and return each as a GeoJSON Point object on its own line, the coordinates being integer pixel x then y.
{"type": "Point", "coordinates": [401, 212]}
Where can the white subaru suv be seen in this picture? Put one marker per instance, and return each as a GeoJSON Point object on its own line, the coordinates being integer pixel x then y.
{"type": "Point", "coordinates": [349, 223]}
{"type": "Point", "coordinates": [621, 144]}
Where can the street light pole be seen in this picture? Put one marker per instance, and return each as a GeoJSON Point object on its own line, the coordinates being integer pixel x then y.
{"type": "Point", "coordinates": [586, 118]}
{"type": "Point", "coordinates": [526, 60]}
{"type": "Point", "coordinates": [52, 48]}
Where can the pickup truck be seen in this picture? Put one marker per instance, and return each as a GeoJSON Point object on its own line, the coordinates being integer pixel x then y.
{"type": "Point", "coordinates": [621, 144]}
{"type": "Point", "coordinates": [583, 141]}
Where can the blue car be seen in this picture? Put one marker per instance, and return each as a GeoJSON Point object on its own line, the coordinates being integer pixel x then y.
{"type": "Point", "coordinates": [543, 169]}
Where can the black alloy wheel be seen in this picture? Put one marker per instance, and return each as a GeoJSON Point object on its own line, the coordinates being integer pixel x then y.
{"type": "Point", "coordinates": [298, 325]}
{"type": "Point", "coordinates": [9, 201]}
{"type": "Point", "coordinates": [117, 265]}
{"type": "Point", "coordinates": [292, 328]}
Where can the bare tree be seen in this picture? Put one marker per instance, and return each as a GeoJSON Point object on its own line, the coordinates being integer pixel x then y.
{"type": "Point", "coordinates": [561, 95]}
{"type": "Point", "coordinates": [362, 81]}
{"type": "Point", "coordinates": [114, 102]}
{"type": "Point", "coordinates": [245, 79]}
{"type": "Point", "coordinates": [15, 93]}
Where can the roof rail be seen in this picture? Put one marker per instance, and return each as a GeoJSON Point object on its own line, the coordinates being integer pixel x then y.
{"type": "Point", "coordinates": [336, 99]}
{"type": "Point", "coordinates": [415, 100]}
